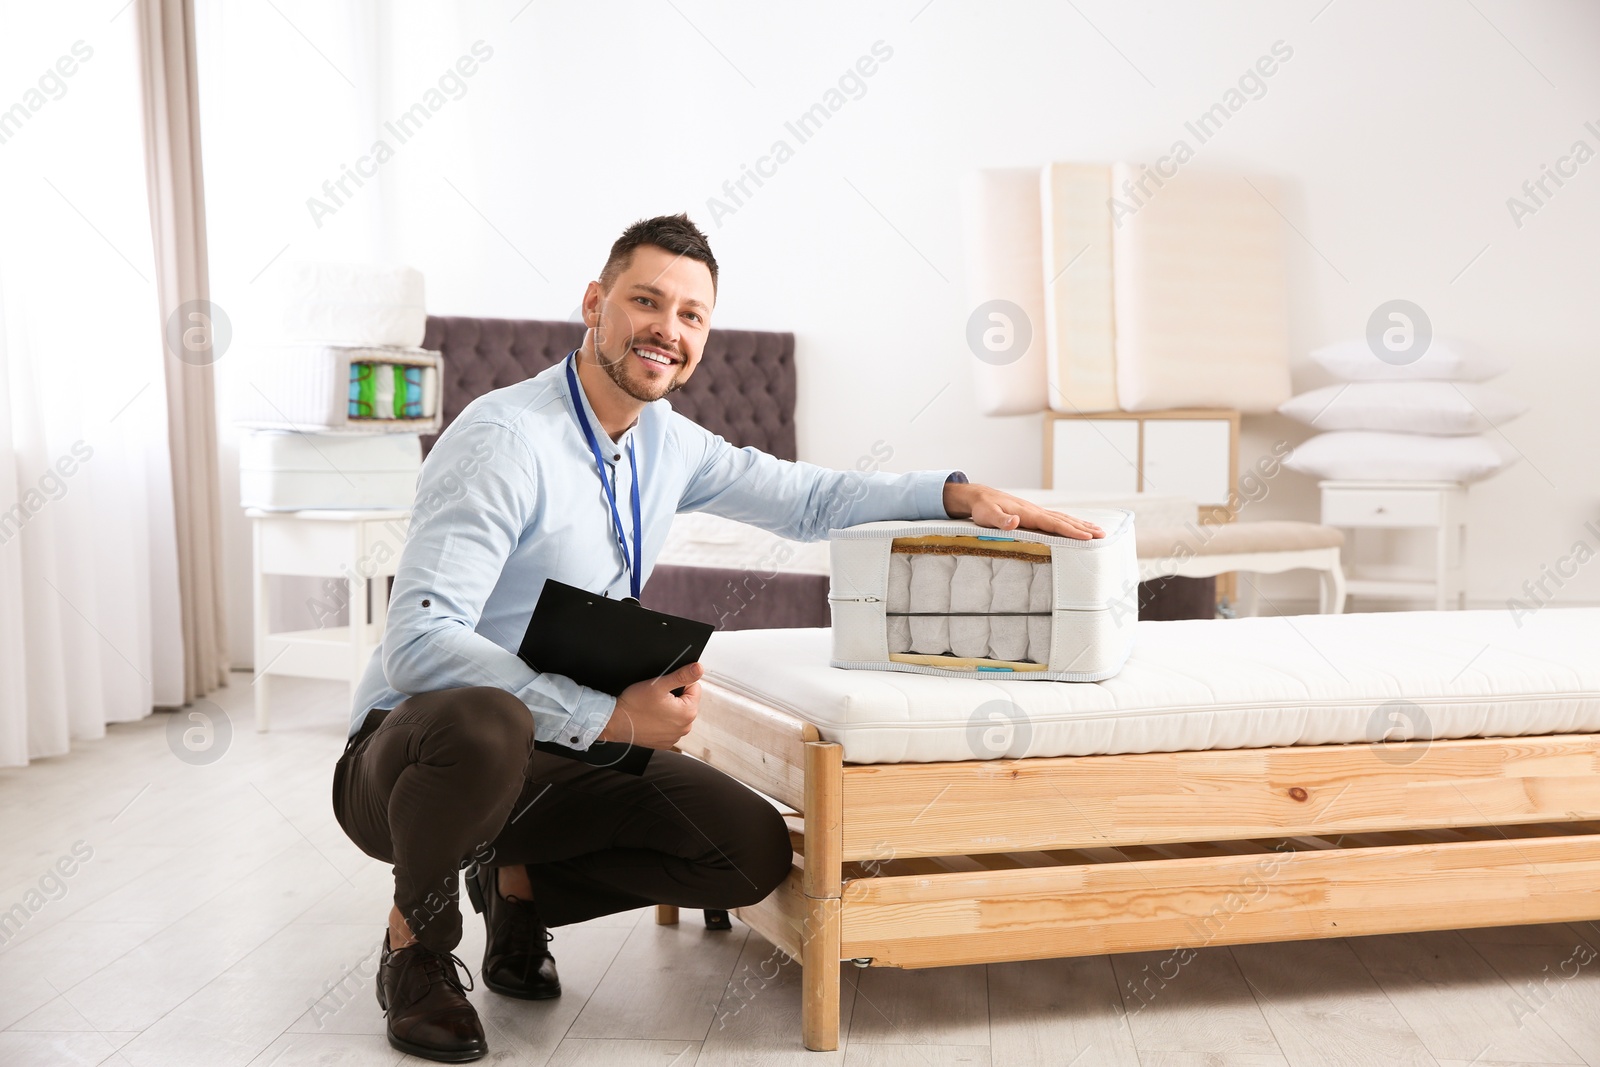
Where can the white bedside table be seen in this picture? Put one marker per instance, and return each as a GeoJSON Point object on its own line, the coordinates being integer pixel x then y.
{"type": "Point", "coordinates": [361, 547]}
{"type": "Point", "coordinates": [1439, 506]}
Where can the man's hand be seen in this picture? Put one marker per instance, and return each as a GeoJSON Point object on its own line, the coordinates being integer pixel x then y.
{"type": "Point", "coordinates": [647, 714]}
{"type": "Point", "coordinates": [1002, 511]}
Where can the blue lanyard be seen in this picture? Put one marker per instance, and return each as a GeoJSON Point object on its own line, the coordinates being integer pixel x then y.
{"type": "Point", "coordinates": [636, 560]}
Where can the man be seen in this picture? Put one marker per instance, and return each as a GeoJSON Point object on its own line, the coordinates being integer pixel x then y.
{"type": "Point", "coordinates": [537, 480]}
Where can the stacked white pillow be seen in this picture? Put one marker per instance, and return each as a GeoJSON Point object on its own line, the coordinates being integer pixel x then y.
{"type": "Point", "coordinates": [1431, 420]}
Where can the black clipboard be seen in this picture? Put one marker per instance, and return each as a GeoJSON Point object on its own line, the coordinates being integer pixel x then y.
{"type": "Point", "coordinates": [607, 645]}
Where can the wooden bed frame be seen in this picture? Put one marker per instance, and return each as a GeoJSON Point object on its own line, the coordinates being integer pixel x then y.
{"type": "Point", "coordinates": [936, 864]}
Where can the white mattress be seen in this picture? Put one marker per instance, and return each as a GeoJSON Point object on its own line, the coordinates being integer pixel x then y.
{"type": "Point", "coordinates": [1203, 684]}
{"type": "Point", "coordinates": [306, 387]}
{"type": "Point", "coordinates": [1000, 213]}
{"type": "Point", "coordinates": [284, 471]}
{"type": "Point", "coordinates": [1201, 304]}
{"type": "Point", "coordinates": [1081, 335]}
{"type": "Point", "coordinates": [345, 303]}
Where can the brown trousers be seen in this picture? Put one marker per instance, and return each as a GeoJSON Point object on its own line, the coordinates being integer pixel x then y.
{"type": "Point", "coordinates": [451, 778]}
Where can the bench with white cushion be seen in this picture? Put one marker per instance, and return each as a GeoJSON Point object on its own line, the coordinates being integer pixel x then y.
{"type": "Point", "coordinates": [1269, 547]}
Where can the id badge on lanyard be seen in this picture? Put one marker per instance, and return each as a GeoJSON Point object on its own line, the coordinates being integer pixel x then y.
{"type": "Point", "coordinates": [635, 559]}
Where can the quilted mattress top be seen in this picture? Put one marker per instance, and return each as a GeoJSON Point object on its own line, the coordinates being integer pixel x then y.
{"type": "Point", "coordinates": [1204, 684]}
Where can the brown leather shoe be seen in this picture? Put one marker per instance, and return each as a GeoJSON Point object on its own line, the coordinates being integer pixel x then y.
{"type": "Point", "coordinates": [426, 1004]}
{"type": "Point", "coordinates": [516, 959]}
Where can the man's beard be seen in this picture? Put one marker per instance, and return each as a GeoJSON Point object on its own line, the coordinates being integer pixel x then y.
{"type": "Point", "coordinates": [618, 370]}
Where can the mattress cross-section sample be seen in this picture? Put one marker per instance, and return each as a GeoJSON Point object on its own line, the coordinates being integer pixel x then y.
{"type": "Point", "coordinates": [329, 388]}
{"type": "Point", "coordinates": [1204, 684]}
{"type": "Point", "coordinates": [953, 597]}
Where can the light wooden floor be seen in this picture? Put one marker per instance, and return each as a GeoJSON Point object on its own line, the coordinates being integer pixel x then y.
{"type": "Point", "coordinates": [223, 918]}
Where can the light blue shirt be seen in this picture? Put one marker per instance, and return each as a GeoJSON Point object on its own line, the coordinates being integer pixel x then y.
{"type": "Point", "coordinates": [509, 496]}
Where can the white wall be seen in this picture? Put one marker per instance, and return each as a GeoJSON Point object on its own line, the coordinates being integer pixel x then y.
{"type": "Point", "coordinates": [1397, 133]}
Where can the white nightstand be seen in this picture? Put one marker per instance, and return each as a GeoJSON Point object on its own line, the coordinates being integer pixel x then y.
{"type": "Point", "coordinates": [360, 547]}
{"type": "Point", "coordinates": [1439, 506]}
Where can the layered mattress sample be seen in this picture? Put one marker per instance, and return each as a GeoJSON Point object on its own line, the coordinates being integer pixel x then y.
{"type": "Point", "coordinates": [950, 597]}
{"type": "Point", "coordinates": [348, 303]}
{"type": "Point", "coordinates": [284, 471]}
{"type": "Point", "coordinates": [328, 388]}
{"type": "Point", "coordinates": [1200, 298]}
{"type": "Point", "coordinates": [1204, 684]}
{"type": "Point", "coordinates": [1081, 336]}
{"type": "Point", "coordinates": [1000, 211]}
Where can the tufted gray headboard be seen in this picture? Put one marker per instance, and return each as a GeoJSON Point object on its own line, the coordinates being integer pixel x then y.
{"type": "Point", "coordinates": [744, 388]}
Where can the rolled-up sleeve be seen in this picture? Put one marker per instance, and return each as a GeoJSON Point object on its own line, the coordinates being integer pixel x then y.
{"type": "Point", "coordinates": [469, 515]}
{"type": "Point", "coordinates": [800, 501]}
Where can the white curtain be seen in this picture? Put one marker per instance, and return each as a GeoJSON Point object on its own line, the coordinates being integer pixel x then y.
{"type": "Point", "coordinates": [196, 330]}
{"type": "Point", "coordinates": [270, 142]}
{"type": "Point", "coordinates": [87, 560]}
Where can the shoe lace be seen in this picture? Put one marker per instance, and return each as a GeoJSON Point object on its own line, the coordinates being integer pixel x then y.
{"type": "Point", "coordinates": [525, 924]}
{"type": "Point", "coordinates": [441, 967]}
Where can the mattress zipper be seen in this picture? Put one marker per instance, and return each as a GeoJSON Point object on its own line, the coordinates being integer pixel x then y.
{"type": "Point", "coordinates": [854, 599]}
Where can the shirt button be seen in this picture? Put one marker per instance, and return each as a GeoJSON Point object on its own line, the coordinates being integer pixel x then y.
{"type": "Point", "coordinates": [426, 603]}
{"type": "Point", "coordinates": [574, 740]}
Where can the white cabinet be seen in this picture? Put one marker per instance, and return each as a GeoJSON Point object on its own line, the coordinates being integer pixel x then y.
{"type": "Point", "coordinates": [1189, 457]}
{"type": "Point", "coordinates": [1095, 455]}
{"type": "Point", "coordinates": [1192, 454]}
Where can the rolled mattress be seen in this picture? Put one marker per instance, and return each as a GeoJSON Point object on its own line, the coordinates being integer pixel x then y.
{"type": "Point", "coordinates": [1203, 684]}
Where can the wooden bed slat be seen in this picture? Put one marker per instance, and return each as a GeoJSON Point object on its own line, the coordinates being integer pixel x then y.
{"type": "Point", "coordinates": [776, 917]}
{"type": "Point", "coordinates": [925, 866]}
{"type": "Point", "coordinates": [1042, 913]}
{"type": "Point", "coordinates": [930, 809]}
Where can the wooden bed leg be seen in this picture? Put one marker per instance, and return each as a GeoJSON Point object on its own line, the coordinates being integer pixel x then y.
{"type": "Point", "coordinates": [666, 915]}
{"type": "Point", "coordinates": [819, 945]}
{"type": "Point", "coordinates": [819, 975]}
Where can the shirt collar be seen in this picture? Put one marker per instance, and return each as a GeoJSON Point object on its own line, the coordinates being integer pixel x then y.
{"type": "Point", "coordinates": [609, 449]}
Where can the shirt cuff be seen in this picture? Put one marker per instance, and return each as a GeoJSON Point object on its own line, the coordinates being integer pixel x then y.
{"type": "Point", "coordinates": [932, 506]}
{"type": "Point", "coordinates": [588, 719]}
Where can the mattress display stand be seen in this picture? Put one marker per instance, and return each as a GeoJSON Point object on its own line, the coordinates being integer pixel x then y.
{"type": "Point", "coordinates": [1437, 506]}
{"type": "Point", "coordinates": [359, 548]}
{"type": "Point", "coordinates": [987, 861]}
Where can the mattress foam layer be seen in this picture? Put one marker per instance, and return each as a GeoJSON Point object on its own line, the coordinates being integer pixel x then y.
{"type": "Point", "coordinates": [1203, 684]}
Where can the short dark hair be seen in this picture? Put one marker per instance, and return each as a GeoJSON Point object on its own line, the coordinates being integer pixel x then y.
{"type": "Point", "coordinates": [672, 233]}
